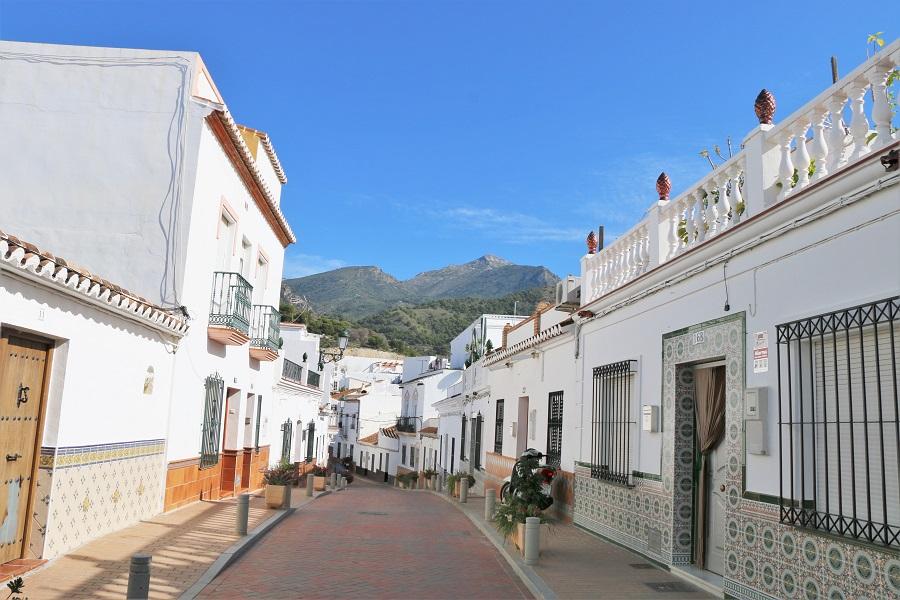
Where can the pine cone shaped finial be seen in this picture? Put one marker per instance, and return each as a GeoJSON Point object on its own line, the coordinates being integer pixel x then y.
{"type": "Point", "coordinates": [592, 243]}
{"type": "Point", "coordinates": [765, 107]}
{"type": "Point", "coordinates": [663, 186]}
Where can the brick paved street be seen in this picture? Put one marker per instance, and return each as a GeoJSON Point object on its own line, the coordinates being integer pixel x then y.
{"type": "Point", "coordinates": [371, 541]}
{"type": "Point", "coordinates": [183, 543]}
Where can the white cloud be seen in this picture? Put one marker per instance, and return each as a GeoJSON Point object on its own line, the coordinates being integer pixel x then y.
{"type": "Point", "coordinates": [301, 265]}
{"type": "Point", "coordinates": [510, 227]}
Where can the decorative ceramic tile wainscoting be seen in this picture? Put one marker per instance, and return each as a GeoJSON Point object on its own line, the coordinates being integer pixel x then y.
{"type": "Point", "coordinates": [87, 491]}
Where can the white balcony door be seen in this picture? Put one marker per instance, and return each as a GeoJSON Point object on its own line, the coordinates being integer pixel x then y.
{"type": "Point", "coordinates": [262, 277]}
{"type": "Point", "coordinates": [227, 230]}
{"type": "Point", "coordinates": [246, 251]}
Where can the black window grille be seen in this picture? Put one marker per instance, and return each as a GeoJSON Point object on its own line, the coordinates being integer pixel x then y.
{"type": "Point", "coordinates": [380, 457]}
{"type": "Point", "coordinates": [212, 420]}
{"type": "Point", "coordinates": [839, 432]}
{"type": "Point", "coordinates": [403, 454]}
{"type": "Point", "coordinates": [310, 436]}
{"type": "Point", "coordinates": [476, 451]}
{"type": "Point", "coordinates": [462, 439]}
{"type": "Point", "coordinates": [612, 422]}
{"type": "Point", "coordinates": [258, 421]}
{"type": "Point", "coordinates": [287, 435]}
{"type": "Point", "coordinates": [498, 428]}
{"type": "Point", "coordinates": [452, 453]}
{"type": "Point", "coordinates": [554, 429]}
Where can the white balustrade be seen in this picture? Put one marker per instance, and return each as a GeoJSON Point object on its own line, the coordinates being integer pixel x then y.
{"type": "Point", "coordinates": [716, 203]}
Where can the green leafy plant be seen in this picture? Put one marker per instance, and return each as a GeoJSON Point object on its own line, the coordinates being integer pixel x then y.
{"type": "Point", "coordinates": [528, 500]}
{"type": "Point", "coordinates": [452, 480]}
{"type": "Point", "coordinates": [280, 474]}
{"type": "Point", "coordinates": [429, 473]}
{"type": "Point", "coordinates": [15, 586]}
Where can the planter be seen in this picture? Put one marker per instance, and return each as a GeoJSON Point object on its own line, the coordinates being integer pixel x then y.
{"type": "Point", "coordinates": [319, 483]}
{"type": "Point", "coordinates": [275, 495]}
{"type": "Point", "coordinates": [518, 537]}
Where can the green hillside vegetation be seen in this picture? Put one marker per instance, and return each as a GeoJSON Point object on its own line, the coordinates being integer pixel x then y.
{"type": "Point", "coordinates": [415, 330]}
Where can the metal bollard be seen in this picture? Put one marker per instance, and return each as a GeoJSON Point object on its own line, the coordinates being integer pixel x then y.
{"type": "Point", "coordinates": [532, 540]}
{"type": "Point", "coordinates": [286, 499]}
{"type": "Point", "coordinates": [310, 484]}
{"type": "Point", "coordinates": [464, 490]}
{"type": "Point", "coordinates": [139, 577]}
{"type": "Point", "coordinates": [490, 504]}
{"type": "Point", "coordinates": [243, 513]}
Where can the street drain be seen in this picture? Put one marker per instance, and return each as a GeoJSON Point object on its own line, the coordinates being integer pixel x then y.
{"type": "Point", "coordinates": [372, 513]}
{"type": "Point", "coordinates": [670, 586]}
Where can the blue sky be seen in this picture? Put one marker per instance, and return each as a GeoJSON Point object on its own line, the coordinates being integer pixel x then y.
{"type": "Point", "coordinates": [421, 133]}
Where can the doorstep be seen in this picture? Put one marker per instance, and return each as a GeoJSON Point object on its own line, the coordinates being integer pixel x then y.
{"type": "Point", "coordinates": [20, 566]}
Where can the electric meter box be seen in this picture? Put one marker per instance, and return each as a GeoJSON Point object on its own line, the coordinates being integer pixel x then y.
{"type": "Point", "coordinates": [755, 411]}
{"type": "Point", "coordinates": [650, 418]}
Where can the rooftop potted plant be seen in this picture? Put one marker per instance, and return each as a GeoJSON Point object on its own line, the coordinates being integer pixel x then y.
{"type": "Point", "coordinates": [278, 480]}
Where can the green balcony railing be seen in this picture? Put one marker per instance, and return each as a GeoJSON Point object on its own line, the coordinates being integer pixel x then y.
{"type": "Point", "coordinates": [230, 304]}
{"type": "Point", "coordinates": [266, 327]}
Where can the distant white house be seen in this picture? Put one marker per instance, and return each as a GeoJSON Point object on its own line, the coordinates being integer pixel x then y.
{"type": "Point", "coordinates": [485, 332]}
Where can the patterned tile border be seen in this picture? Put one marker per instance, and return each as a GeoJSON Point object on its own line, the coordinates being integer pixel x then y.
{"type": "Point", "coordinates": [74, 456]}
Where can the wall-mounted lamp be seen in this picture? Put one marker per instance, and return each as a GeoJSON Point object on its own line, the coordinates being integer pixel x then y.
{"type": "Point", "coordinates": [891, 160]}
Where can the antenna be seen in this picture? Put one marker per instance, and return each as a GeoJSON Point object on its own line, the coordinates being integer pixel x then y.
{"type": "Point", "coordinates": [834, 69]}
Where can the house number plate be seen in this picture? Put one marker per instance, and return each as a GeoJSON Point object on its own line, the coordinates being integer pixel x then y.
{"type": "Point", "coordinates": [699, 337]}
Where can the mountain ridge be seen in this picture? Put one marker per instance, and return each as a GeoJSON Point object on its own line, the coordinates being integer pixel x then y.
{"type": "Point", "coordinates": [360, 291]}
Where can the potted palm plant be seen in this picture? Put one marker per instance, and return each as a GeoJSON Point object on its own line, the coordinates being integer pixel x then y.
{"type": "Point", "coordinates": [278, 480]}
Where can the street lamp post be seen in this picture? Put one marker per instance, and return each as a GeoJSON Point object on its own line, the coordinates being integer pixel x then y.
{"type": "Point", "coordinates": [326, 356]}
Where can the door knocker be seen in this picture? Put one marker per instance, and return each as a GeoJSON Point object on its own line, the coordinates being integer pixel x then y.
{"type": "Point", "coordinates": [23, 395]}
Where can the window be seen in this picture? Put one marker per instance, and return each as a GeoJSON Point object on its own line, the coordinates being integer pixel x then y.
{"type": "Point", "coordinates": [258, 420]}
{"type": "Point", "coordinates": [212, 419]}
{"type": "Point", "coordinates": [287, 434]}
{"type": "Point", "coordinates": [310, 436]}
{"type": "Point", "coordinates": [476, 435]}
{"type": "Point", "coordinates": [452, 453]}
{"type": "Point", "coordinates": [612, 422]}
{"type": "Point", "coordinates": [262, 278]}
{"type": "Point", "coordinates": [462, 439]}
{"type": "Point", "coordinates": [351, 452]}
{"type": "Point", "coordinates": [380, 456]}
{"type": "Point", "coordinates": [498, 428]}
{"type": "Point", "coordinates": [554, 429]}
{"type": "Point", "coordinates": [246, 251]}
{"type": "Point", "coordinates": [353, 421]}
{"type": "Point", "coordinates": [339, 450]}
{"type": "Point", "coordinates": [839, 433]}
{"type": "Point", "coordinates": [403, 454]}
{"type": "Point", "coordinates": [227, 230]}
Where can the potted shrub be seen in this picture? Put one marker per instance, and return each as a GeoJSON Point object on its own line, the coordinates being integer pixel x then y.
{"type": "Point", "coordinates": [319, 475]}
{"type": "Point", "coordinates": [452, 480]}
{"type": "Point", "coordinates": [527, 500]}
{"type": "Point", "coordinates": [430, 475]}
{"type": "Point", "coordinates": [278, 480]}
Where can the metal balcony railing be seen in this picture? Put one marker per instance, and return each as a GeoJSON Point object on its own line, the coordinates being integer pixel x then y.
{"type": "Point", "coordinates": [293, 371]}
{"type": "Point", "coordinates": [230, 303]}
{"type": "Point", "coordinates": [407, 424]}
{"type": "Point", "coordinates": [266, 327]}
{"type": "Point", "coordinates": [313, 378]}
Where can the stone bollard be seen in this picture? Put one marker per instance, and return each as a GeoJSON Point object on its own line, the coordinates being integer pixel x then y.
{"type": "Point", "coordinates": [286, 500]}
{"type": "Point", "coordinates": [139, 577]}
{"type": "Point", "coordinates": [333, 481]}
{"type": "Point", "coordinates": [310, 484]}
{"type": "Point", "coordinates": [490, 504]}
{"type": "Point", "coordinates": [464, 490]}
{"type": "Point", "coordinates": [242, 514]}
{"type": "Point", "coordinates": [437, 483]}
{"type": "Point", "coordinates": [532, 540]}
{"type": "Point", "coordinates": [342, 483]}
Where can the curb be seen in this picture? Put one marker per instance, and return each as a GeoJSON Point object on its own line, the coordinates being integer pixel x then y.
{"type": "Point", "coordinates": [239, 548]}
{"type": "Point", "coordinates": [534, 582]}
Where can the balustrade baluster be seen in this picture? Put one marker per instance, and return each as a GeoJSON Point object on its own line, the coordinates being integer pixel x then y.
{"type": "Point", "coordinates": [626, 260]}
{"type": "Point", "coordinates": [711, 215]}
{"type": "Point", "coordinates": [881, 110]}
{"type": "Point", "coordinates": [859, 124]}
{"type": "Point", "coordinates": [785, 167]}
{"type": "Point", "coordinates": [690, 221]}
{"type": "Point", "coordinates": [672, 229]}
{"type": "Point", "coordinates": [818, 150]}
{"type": "Point", "coordinates": [737, 198]}
{"type": "Point", "coordinates": [600, 275]}
{"type": "Point", "coordinates": [801, 156]}
{"type": "Point", "coordinates": [725, 207]}
{"type": "Point", "coordinates": [645, 249]}
{"type": "Point", "coordinates": [836, 134]}
{"type": "Point", "coordinates": [635, 252]}
{"type": "Point", "coordinates": [699, 222]}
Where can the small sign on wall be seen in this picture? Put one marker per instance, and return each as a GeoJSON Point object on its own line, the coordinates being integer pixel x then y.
{"type": "Point", "coordinates": [698, 337]}
{"type": "Point", "coordinates": [761, 352]}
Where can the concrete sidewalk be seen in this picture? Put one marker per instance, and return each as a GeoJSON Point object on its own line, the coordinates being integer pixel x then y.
{"type": "Point", "coordinates": [184, 543]}
{"type": "Point", "coordinates": [577, 564]}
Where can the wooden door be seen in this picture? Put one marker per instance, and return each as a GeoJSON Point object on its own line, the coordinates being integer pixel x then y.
{"type": "Point", "coordinates": [23, 368]}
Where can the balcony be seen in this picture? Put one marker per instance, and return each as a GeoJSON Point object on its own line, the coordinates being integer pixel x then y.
{"type": "Point", "coordinates": [229, 309]}
{"type": "Point", "coordinates": [265, 338]}
{"type": "Point", "coordinates": [407, 424]}
{"type": "Point", "coordinates": [313, 378]}
{"type": "Point", "coordinates": [292, 371]}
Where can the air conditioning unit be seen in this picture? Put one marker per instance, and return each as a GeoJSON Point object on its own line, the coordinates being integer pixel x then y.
{"type": "Point", "coordinates": [568, 290]}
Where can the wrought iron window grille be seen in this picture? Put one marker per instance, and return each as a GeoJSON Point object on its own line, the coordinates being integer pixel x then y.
{"type": "Point", "coordinates": [498, 428]}
{"type": "Point", "coordinates": [212, 419]}
{"type": "Point", "coordinates": [612, 422]}
{"type": "Point", "coordinates": [838, 426]}
{"type": "Point", "coordinates": [554, 429]}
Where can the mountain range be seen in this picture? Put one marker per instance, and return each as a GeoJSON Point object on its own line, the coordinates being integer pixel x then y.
{"type": "Point", "coordinates": [359, 292]}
